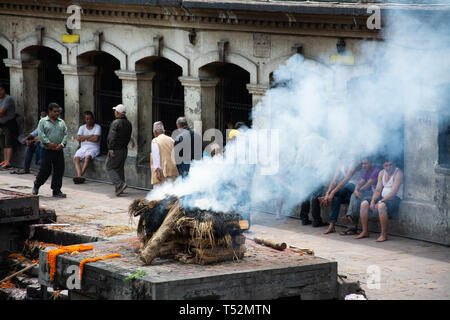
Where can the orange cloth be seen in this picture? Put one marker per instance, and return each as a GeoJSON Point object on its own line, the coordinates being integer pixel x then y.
{"type": "Point", "coordinates": [52, 254]}
{"type": "Point", "coordinates": [115, 255]}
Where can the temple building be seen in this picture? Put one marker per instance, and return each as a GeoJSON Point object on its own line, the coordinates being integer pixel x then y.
{"type": "Point", "coordinates": [211, 61]}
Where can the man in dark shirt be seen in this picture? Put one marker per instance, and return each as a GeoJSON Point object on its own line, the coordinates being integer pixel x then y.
{"type": "Point", "coordinates": [119, 136]}
{"type": "Point", "coordinates": [185, 147]}
{"type": "Point", "coordinates": [8, 126]}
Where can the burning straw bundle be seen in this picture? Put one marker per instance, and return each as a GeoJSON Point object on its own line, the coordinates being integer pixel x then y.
{"type": "Point", "coordinates": [189, 235]}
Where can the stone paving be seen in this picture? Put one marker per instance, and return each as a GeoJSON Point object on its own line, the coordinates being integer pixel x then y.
{"type": "Point", "coordinates": [408, 269]}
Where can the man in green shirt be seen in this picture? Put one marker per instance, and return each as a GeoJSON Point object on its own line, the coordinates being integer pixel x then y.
{"type": "Point", "coordinates": [52, 132]}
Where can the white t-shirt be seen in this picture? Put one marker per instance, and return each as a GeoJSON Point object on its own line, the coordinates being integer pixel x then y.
{"type": "Point", "coordinates": [96, 130]}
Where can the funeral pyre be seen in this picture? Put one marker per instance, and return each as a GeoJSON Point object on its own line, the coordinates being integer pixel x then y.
{"type": "Point", "coordinates": [166, 229]}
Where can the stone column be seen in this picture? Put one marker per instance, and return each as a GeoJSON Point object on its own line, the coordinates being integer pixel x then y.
{"type": "Point", "coordinates": [200, 102]}
{"type": "Point", "coordinates": [24, 90]}
{"type": "Point", "coordinates": [422, 216]}
{"type": "Point", "coordinates": [17, 88]}
{"type": "Point", "coordinates": [30, 94]}
{"type": "Point", "coordinates": [78, 97]}
{"type": "Point", "coordinates": [257, 91]}
{"type": "Point", "coordinates": [71, 105]}
{"type": "Point", "coordinates": [420, 154]}
{"type": "Point", "coordinates": [137, 97]}
{"type": "Point", "coordinates": [86, 87]}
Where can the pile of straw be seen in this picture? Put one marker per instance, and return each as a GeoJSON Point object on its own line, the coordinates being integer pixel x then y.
{"type": "Point", "coordinates": [195, 236]}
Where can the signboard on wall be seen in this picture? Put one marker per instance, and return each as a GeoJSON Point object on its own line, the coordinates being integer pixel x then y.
{"type": "Point", "coordinates": [261, 45]}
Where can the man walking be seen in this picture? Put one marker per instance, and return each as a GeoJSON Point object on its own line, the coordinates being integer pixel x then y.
{"type": "Point", "coordinates": [185, 144]}
{"type": "Point", "coordinates": [8, 126]}
{"type": "Point", "coordinates": [119, 136]}
{"type": "Point", "coordinates": [52, 132]}
{"type": "Point", "coordinates": [162, 160]}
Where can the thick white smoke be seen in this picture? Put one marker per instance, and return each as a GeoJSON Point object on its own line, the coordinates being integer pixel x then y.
{"type": "Point", "coordinates": [319, 118]}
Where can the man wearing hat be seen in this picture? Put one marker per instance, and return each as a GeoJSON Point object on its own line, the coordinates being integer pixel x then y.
{"type": "Point", "coordinates": [162, 158]}
{"type": "Point", "coordinates": [119, 136]}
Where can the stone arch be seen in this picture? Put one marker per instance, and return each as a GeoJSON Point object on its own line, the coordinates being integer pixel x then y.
{"type": "Point", "coordinates": [166, 52]}
{"type": "Point", "coordinates": [273, 64]}
{"type": "Point", "coordinates": [104, 46]}
{"type": "Point", "coordinates": [33, 40]}
{"type": "Point", "coordinates": [231, 57]}
{"type": "Point", "coordinates": [7, 44]}
{"type": "Point", "coordinates": [135, 56]}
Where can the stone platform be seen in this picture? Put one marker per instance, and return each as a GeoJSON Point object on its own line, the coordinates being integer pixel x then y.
{"type": "Point", "coordinates": [17, 211]}
{"type": "Point", "coordinates": [18, 207]}
{"type": "Point", "coordinates": [263, 273]}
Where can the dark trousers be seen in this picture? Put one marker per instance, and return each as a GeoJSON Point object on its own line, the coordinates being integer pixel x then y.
{"type": "Point", "coordinates": [183, 169]}
{"type": "Point", "coordinates": [51, 160]}
{"type": "Point", "coordinates": [315, 204]}
{"type": "Point", "coordinates": [29, 150]}
{"type": "Point", "coordinates": [37, 153]}
{"type": "Point", "coordinates": [305, 206]}
{"type": "Point", "coordinates": [115, 167]}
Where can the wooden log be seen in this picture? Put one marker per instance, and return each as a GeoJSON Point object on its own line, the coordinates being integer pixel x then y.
{"type": "Point", "coordinates": [208, 259]}
{"type": "Point", "coordinates": [170, 250]}
{"type": "Point", "coordinates": [270, 243]}
{"type": "Point", "coordinates": [240, 239]}
{"type": "Point", "coordinates": [217, 251]}
{"type": "Point", "coordinates": [302, 250]}
{"type": "Point", "coordinates": [200, 243]}
{"type": "Point", "coordinates": [151, 249]}
{"type": "Point", "coordinates": [185, 258]}
{"type": "Point", "coordinates": [19, 272]}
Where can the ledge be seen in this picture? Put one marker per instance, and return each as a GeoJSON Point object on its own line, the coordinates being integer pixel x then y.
{"type": "Point", "coordinates": [442, 169]}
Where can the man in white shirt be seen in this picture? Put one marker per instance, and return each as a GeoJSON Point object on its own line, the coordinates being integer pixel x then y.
{"type": "Point", "coordinates": [385, 201]}
{"type": "Point", "coordinates": [89, 137]}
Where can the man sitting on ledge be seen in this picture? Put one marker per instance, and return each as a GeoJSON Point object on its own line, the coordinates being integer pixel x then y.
{"type": "Point", "coordinates": [390, 188]}
{"type": "Point", "coordinates": [89, 137]}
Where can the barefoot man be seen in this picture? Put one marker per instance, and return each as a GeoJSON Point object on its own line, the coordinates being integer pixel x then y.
{"type": "Point", "coordinates": [390, 188]}
{"type": "Point", "coordinates": [89, 138]}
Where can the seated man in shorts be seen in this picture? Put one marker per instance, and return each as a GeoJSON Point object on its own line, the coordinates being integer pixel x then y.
{"type": "Point", "coordinates": [385, 200]}
{"type": "Point", "coordinates": [89, 136]}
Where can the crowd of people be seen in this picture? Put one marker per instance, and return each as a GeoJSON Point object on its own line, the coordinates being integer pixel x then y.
{"type": "Point", "coordinates": [369, 191]}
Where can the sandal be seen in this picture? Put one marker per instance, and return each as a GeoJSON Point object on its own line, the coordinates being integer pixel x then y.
{"type": "Point", "coordinates": [348, 232]}
{"type": "Point", "coordinates": [23, 171]}
{"type": "Point", "coordinates": [78, 180]}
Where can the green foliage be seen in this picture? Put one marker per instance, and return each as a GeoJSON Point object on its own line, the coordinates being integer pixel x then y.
{"type": "Point", "coordinates": [137, 274]}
